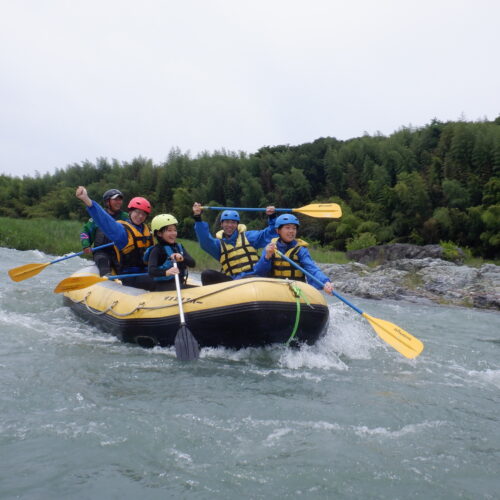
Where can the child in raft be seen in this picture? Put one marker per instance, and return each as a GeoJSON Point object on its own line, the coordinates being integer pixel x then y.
{"type": "Point", "coordinates": [272, 266]}
{"type": "Point", "coordinates": [161, 257]}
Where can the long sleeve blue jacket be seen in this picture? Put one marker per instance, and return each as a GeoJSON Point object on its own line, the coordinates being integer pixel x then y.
{"type": "Point", "coordinates": [264, 266]}
{"type": "Point", "coordinates": [211, 245]}
{"type": "Point", "coordinates": [113, 230]}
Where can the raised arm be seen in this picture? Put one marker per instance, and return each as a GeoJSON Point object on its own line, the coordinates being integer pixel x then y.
{"type": "Point", "coordinates": [207, 242]}
{"type": "Point", "coordinates": [115, 231]}
{"type": "Point", "coordinates": [259, 239]}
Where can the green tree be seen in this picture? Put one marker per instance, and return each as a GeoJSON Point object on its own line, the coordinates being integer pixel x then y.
{"type": "Point", "coordinates": [364, 240]}
{"type": "Point", "coordinates": [252, 192]}
{"type": "Point", "coordinates": [455, 194]}
{"type": "Point", "coordinates": [411, 205]}
{"type": "Point", "coordinates": [491, 237]}
{"type": "Point", "coordinates": [335, 178]}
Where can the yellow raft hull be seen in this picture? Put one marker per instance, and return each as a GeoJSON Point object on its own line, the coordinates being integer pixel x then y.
{"type": "Point", "coordinates": [236, 314]}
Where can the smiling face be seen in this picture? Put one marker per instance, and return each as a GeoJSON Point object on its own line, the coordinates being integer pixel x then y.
{"type": "Point", "coordinates": [115, 204]}
{"type": "Point", "coordinates": [229, 226]}
{"type": "Point", "coordinates": [168, 234]}
{"type": "Point", "coordinates": [137, 216]}
{"type": "Point", "coordinates": [287, 232]}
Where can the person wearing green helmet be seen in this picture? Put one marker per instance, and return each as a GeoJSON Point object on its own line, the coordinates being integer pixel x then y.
{"type": "Point", "coordinates": [160, 258]}
{"type": "Point", "coordinates": [273, 266]}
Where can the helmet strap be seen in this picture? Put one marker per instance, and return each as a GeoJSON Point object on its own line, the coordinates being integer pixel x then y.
{"type": "Point", "coordinates": [108, 207]}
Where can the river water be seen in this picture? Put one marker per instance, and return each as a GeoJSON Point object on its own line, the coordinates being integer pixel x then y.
{"type": "Point", "coordinates": [84, 416]}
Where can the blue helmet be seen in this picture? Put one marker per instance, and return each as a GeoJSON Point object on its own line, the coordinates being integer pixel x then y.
{"type": "Point", "coordinates": [230, 215]}
{"type": "Point", "coordinates": [286, 219]}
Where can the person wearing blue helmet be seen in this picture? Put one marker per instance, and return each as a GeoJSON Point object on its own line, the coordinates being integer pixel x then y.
{"type": "Point", "coordinates": [233, 246]}
{"type": "Point", "coordinates": [273, 266]}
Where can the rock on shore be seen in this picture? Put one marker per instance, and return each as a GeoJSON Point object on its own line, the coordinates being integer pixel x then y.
{"type": "Point", "coordinates": [428, 278]}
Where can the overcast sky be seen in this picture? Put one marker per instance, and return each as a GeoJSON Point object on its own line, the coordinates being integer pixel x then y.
{"type": "Point", "coordinates": [126, 78]}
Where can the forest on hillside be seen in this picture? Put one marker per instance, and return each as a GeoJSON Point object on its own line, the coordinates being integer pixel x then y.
{"type": "Point", "coordinates": [440, 182]}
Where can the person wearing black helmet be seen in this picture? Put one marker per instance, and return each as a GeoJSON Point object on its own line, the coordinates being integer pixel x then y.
{"type": "Point", "coordinates": [131, 237]}
{"type": "Point", "coordinates": [92, 236]}
{"type": "Point", "coordinates": [273, 266]}
{"type": "Point", "coordinates": [233, 246]}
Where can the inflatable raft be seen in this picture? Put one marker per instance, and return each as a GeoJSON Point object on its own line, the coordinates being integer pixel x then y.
{"type": "Point", "coordinates": [236, 314]}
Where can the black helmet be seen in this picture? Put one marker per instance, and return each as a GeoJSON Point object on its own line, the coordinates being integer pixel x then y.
{"type": "Point", "coordinates": [111, 194]}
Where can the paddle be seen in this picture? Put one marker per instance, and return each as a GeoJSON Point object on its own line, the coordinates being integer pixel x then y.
{"type": "Point", "coordinates": [79, 282]}
{"type": "Point", "coordinates": [186, 346]}
{"type": "Point", "coordinates": [396, 337]}
{"type": "Point", "coordinates": [320, 210]}
{"type": "Point", "coordinates": [29, 270]}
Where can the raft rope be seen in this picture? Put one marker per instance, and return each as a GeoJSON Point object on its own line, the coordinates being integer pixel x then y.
{"type": "Point", "coordinates": [113, 304]}
{"type": "Point", "coordinates": [110, 308]}
{"type": "Point", "coordinates": [297, 292]}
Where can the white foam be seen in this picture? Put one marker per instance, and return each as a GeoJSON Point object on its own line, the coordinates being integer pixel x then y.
{"type": "Point", "coordinates": [464, 377]}
{"type": "Point", "coordinates": [113, 442]}
{"type": "Point", "coordinates": [287, 374]}
{"type": "Point", "coordinates": [181, 457]}
{"type": "Point", "coordinates": [284, 427]}
{"type": "Point", "coordinates": [24, 320]}
{"type": "Point", "coordinates": [276, 436]}
{"type": "Point", "coordinates": [407, 429]}
{"type": "Point", "coordinates": [320, 356]}
{"type": "Point", "coordinates": [488, 376]}
{"type": "Point", "coordinates": [234, 425]}
{"type": "Point", "coordinates": [349, 334]}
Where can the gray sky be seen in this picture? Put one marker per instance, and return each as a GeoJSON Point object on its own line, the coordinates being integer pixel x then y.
{"type": "Point", "coordinates": [122, 78]}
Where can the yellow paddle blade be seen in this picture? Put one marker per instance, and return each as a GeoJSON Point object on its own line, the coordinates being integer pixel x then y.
{"type": "Point", "coordinates": [402, 341]}
{"type": "Point", "coordinates": [27, 271]}
{"type": "Point", "coordinates": [321, 210]}
{"type": "Point", "coordinates": [77, 283]}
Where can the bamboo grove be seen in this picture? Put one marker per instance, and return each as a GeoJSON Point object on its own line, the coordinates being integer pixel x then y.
{"type": "Point", "coordinates": [423, 185]}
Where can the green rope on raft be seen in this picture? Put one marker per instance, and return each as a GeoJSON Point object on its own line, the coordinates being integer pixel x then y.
{"type": "Point", "coordinates": [298, 294]}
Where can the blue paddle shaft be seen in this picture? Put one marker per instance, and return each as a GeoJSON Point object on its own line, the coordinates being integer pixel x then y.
{"type": "Point", "coordinates": [120, 276]}
{"type": "Point", "coordinates": [250, 209]}
{"type": "Point", "coordinates": [80, 253]}
{"type": "Point", "coordinates": [313, 278]}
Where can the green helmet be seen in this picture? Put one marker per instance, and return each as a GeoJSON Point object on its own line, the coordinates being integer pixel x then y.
{"type": "Point", "coordinates": [162, 220]}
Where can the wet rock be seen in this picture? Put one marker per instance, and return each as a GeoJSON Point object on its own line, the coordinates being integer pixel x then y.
{"type": "Point", "coordinates": [486, 301]}
{"type": "Point", "coordinates": [425, 279]}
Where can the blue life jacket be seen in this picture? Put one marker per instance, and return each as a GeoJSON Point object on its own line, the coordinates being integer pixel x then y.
{"type": "Point", "coordinates": [168, 261]}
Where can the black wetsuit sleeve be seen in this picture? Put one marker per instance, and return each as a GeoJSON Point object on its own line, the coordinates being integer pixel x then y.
{"type": "Point", "coordinates": [188, 260]}
{"type": "Point", "coordinates": [156, 258]}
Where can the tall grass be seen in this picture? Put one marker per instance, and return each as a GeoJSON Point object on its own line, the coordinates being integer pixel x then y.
{"type": "Point", "coordinates": [54, 237]}
{"type": "Point", "coordinates": [325, 256]}
{"type": "Point", "coordinates": [202, 259]}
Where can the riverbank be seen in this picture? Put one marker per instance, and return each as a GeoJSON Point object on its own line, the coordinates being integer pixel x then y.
{"type": "Point", "coordinates": [426, 280]}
